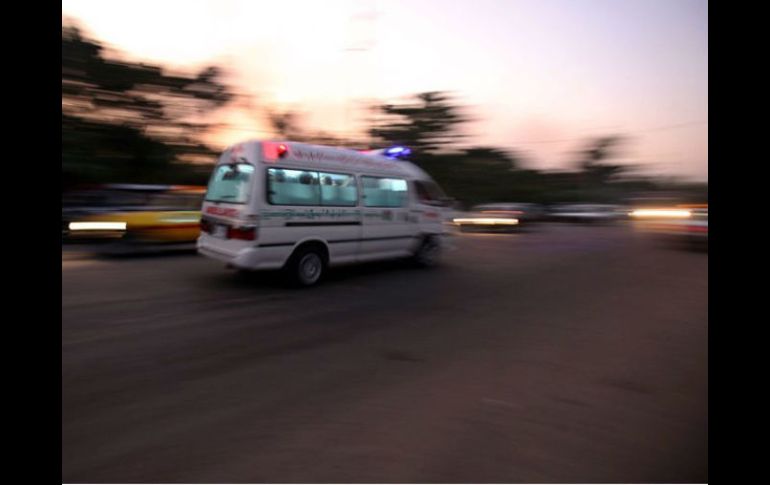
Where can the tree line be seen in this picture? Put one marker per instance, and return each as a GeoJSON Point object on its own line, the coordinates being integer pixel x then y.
{"type": "Point", "coordinates": [134, 122]}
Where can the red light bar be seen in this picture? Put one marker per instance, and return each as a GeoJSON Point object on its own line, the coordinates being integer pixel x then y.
{"type": "Point", "coordinates": [273, 151]}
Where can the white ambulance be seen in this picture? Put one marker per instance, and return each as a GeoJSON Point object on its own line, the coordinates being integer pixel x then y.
{"type": "Point", "coordinates": [304, 208]}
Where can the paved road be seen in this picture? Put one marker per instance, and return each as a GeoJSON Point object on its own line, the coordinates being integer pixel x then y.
{"type": "Point", "coordinates": [569, 354]}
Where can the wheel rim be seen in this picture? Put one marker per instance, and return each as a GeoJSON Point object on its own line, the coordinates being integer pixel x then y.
{"type": "Point", "coordinates": [310, 268]}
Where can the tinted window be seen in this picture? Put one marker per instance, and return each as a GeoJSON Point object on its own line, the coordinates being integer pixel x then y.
{"type": "Point", "coordinates": [293, 187]}
{"type": "Point", "coordinates": [338, 189]}
{"type": "Point", "coordinates": [384, 192]}
{"type": "Point", "coordinates": [429, 193]}
{"type": "Point", "coordinates": [230, 183]}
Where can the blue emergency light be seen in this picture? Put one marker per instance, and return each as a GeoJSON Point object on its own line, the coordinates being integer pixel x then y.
{"type": "Point", "coordinates": [397, 152]}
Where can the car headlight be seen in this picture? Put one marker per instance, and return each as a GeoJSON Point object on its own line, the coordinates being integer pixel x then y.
{"type": "Point", "coordinates": [97, 226]}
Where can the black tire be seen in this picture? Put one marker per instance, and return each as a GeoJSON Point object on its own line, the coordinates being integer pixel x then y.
{"type": "Point", "coordinates": [428, 252]}
{"type": "Point", "coordinates": [306, 267]}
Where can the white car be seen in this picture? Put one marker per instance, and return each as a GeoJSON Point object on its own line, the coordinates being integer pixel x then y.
{"type": "Point", "coordinates": [525, 212]}
{"type": "Point", "coordinates": [585, 213]}
{"type": "Point", "coordinates": [490, 217]}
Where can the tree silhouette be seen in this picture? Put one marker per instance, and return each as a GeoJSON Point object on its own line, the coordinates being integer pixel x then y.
{"type": "Point", "coordinates": [426, 123]}
{"type": "Point", "coordinates": [128, 121]}
{"type": "Point", "coordinates": [598, 150]}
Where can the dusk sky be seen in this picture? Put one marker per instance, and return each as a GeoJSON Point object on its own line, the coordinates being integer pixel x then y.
{"type": "Point", "coordinates": [540, 76]}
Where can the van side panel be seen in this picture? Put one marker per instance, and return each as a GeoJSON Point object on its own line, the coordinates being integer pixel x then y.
{"type": "Point", "coordinates": [388, 230]}
{"type": "Point", "coordinates": [283, 226]}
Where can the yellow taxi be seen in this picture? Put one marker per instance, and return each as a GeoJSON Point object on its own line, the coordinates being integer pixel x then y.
{"type": "Point", "coordinates": [169, 217]}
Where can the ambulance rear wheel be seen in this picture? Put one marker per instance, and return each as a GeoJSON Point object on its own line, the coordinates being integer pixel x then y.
{"type": "Point", "coordinates": [306, 267]}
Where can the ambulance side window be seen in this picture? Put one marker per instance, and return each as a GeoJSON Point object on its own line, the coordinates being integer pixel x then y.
{"type": "Point", "coordinates": [384, 192]}
{"type": "Point", "coordinates": [292, 187]}
{"type": "Point", "coordinates": [338, 190]}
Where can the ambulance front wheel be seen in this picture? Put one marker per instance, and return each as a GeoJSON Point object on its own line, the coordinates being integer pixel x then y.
{"type": "Point", "coordinates": [428, 253]}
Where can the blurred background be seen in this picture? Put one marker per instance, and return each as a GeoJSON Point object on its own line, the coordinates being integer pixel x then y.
{"type": "Point", "coordinates": [586, 120]}
{"type": "Point", "coordinates": [549, 101]}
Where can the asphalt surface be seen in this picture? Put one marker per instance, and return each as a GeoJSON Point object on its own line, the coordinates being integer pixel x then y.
{"type": "Point", "coordinates": [568, 354]}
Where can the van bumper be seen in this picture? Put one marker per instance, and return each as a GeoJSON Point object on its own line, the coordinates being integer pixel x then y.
{"type": "Point", "coordinates": [243, 258]}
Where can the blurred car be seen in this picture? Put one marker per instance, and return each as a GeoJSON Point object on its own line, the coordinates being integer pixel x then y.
{"type": "Point", "coordinates": [525, 212]}
{"type": "Point", "coordinates": [696, 231]}
{"type": "Point", "coordinates": [684, 224]}
{"type": "Point", "coordinates": [168, 217]}
{"type": "Point", "coordinates": [591, 213]}
{"type": "Point", "coordinates": [492, 217]}
{"type": "Point", "coordinates": [90, 201]}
